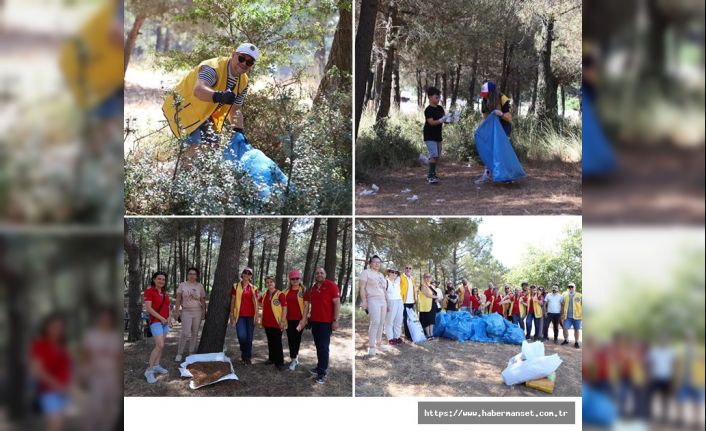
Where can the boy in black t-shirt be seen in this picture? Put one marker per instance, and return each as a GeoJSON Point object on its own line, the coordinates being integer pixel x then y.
{"type": "Point", "coordinates": [434, 117]}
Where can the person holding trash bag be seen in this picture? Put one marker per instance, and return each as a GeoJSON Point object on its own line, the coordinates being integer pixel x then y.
{"type": "Point", "coordinates": [244, 307]}
{"type": "Point", "coordinates": [372, 288]}
{"type": "Point", "coordinates": [190, 310]}
{"type": "Point", "coordinates": [427, 306]}
{"type": "Point", "coordinates": [157, 306]}
{"type": "Point", "coordinates": [322, 303]}
{"type": "Point", "coordinates": [494, 103]}
{"type": "Point", "coordinates": [274, 321]}
{"type": "Point", "coordinates": [215, 89]}
{"type": "Point", "coordinates": [295, 312]}
{"type": "Point", "coordinates": [409, 296]}
{"type": "Point", "coordinates": [393, 321]}
{"type": "Point", "coordinates": [571, 314]}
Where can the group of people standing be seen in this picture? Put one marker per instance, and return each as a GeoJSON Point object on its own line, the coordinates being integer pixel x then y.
{"type": "Point", "coordinates": [388, 298]}
{"type": "Point", "coordinates": [276, 311]}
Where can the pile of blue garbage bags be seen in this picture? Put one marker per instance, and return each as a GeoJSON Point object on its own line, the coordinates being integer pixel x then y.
{"type": "Point", "coordinates": [488, 328]}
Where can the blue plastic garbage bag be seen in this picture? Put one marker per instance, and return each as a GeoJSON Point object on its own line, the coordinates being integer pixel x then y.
{"type": "Point", "coordinates": [494, 325]}
{"type": "Point", "coordinates": [458, 326]}
{"type": "Point", "coordinates": [496, 152]}
{"type": "Point", "coordinates": [264, 172]}
{"type": "Point", "coordinates": [598, 158]}
{"type": "Point", "coordinates": [597, 409]}
{"type": "Point", "coordinates": [514, 335]}
{"type": "Point", "coordinates": [442, 319]}
{"type": "Point", "coordinates": [478, 331]}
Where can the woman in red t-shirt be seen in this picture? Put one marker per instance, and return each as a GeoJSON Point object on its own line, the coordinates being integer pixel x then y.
{"type": "Point", "coordinates": [274, 320]}
{"type": "Point", "coordinates": [295, 311]}
{"type": "Point", "coordinates": [476, 302]}
{"type": "Point", "coordinates": [50, 364]}
{"type": "Point", "coordinates": [157, 307]}
{"type": "Point", "coordinates": [497, 306]}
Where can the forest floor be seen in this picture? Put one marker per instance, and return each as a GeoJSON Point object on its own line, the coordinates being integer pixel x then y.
{"type": "Point", "coordinates": [549, 188]}
{"type": "Point", "coordinates": [655, 184]}
{"type": "Point", "coordinates": [256, 380]}
{"type": "Point", "coordinates": [446, 368]}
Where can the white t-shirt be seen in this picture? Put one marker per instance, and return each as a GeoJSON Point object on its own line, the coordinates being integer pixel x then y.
{"type": "Point", "coordinates": [553, 303]}
{"type": "Point", "coordinates": [410, 290]}
{"type": "Point", "coordinates": [394, 291]}
{"type": "Point", "coordinates": [662, 362]}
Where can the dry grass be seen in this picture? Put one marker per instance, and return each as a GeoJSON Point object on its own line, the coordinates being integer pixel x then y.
{"type": "Point", "coordinates": [257, 380]}
{"type": "Point", "coordinates": [549, 188]}
{"type": "Point", "coordinates": [446, 368]}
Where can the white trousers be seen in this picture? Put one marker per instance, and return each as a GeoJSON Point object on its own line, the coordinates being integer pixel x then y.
{"type": "Point", "coordinates": [393, 322]}
{"type": "Point", "coordinates": [377, 309]}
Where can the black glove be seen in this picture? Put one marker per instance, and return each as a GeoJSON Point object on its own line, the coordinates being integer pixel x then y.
{"type": "Point", "coordinates": [224, 97]}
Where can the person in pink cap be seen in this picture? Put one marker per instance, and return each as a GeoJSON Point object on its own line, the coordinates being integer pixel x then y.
{"type": "Point", "coordinates": [295, 312]}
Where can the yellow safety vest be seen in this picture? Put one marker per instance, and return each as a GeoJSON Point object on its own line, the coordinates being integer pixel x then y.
{"type": "Point", "coordinates": [238, 296]}
{"type": "Point", "coordinates": [92, 64]}
{"type": "Point", "coordinates": [276, 307]}
{"type": "Point", "coordinates": [521, 306]}
{"type": "Point", "coordinates": [404, 285]}
{"type": "Point", "coordinates": [425, 301]}
{"type": "Point", "coordinates": [698, 379]}
{"type": "Point", "coordinates": [300, 298]}
{"type": "Point", "coordinates": [536, 305]}
{"type": "Point", "coordinates": [187, 115]}
{"type": "Point", "coordinates": [577, 306]}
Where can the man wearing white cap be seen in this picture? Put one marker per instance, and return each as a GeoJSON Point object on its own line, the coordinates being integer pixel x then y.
{"type": "Point", "coordinates": [215, 89]}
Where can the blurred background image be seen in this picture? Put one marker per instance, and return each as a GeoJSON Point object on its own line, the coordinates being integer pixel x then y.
{"type": "Point", "coordinates": [643, 111]}
{"type": "Point", "coordinates": [61, 79]}
{"type": "Point", "coordinates": [643, 359]}
{"type": "Point", "coordinates": [61, 365]}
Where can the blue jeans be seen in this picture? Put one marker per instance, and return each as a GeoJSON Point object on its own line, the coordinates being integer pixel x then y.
{"type": "Point", "coordinates": [52, 403]}
{"type": "Point", "coordinates": [245, 327]}
{"type": "Point", "coordinates": [517, 320]}
{"type": "Point", "coordinates": [322, 338]}
{"type": "Point", "coordinates": [537, 325]}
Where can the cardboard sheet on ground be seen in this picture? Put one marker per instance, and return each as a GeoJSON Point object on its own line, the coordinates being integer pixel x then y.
{"type": "Point", "coordinates": [496, 152]}
{"type": "Point", "coordinates": [598, 157]}
{"type": "Point", "coordinates": [264, 171]}
{"type": "Point", "coordinates": [206, 357]}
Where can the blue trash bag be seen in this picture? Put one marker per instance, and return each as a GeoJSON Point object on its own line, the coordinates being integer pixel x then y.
{"type": "Point", "coordinates": [496, 152]}
{"type": "Point", "coordinates": [494, 325]}
{"type": "Point", "coordinates": [458, 326]}
{"type": "Point", "coordinates": [478, 331]}
{"type": "Point", "coordinates": [264, 172]}
{"type": "Point", "coordinates": [508, 324]}
{"type": "Point", "coordinates": [442, 319]}
{"type": "Point", "coordinates": [598, 157]}
{"type": "Point", "coordinates": [514, 335]}
{"type": "Point", "coordinates": [598, 409]}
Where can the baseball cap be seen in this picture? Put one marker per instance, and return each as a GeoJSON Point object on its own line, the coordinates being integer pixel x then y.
{"type": "Point", "coordinates": [249, 49]}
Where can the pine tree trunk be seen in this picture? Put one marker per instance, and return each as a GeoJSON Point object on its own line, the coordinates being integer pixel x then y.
{"type": "Point", "coordinates": [158, 44]}
{"type": "Point", "coordinates": [132, 250]}
{"type": "Point", "coordinates": [396, 90]}
{"type": "Point", "coordinates": [457, 78]}
{"type": "Point", "coordinates": [533, 101]}
{"type": "Point", "coordinates": [308, 271]}
{"type": "Point", "coordinates": [214, 329]}
{"type": "Point", "coordinates": [364, 37]}
{"type": "Point", "coordinates": [420, 90]}
{"type": "Point", "coordinates": [207, 265]}
{"type": "Point", "coordinates": [344, 247]}
{"type": "Point", "coordinates": [547, 81]}
{"type": "Point", "coordinates": [388, 64]}
{"type": "Point", "coordinates": [197, 246]}
{"type": "Point", "coordinates": [563, 101]}
{"type": "Point", "coordinates": [444, 89]}
{"type": "Point", "coordinates": [339, 59]}
{"type": "Point", "coordinates": [262, 261]}
{"type": "Point", "coordinates": [472, 86]}
{"type": "Point", "coordinates": [285, 226]}
{"type": "Point", "coordinates": [132, 38]}
{"type": "Point", "coordinates": [331, 249]}
{"type": "Point", "coordinates": [251, 248]}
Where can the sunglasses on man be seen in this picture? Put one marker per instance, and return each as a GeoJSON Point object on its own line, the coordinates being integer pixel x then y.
{"type": "Point", "coordinates": [244, 59]}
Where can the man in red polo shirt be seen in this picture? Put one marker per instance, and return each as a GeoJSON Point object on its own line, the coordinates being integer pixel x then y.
{"type": "Point", "coordinates": [321, 306]}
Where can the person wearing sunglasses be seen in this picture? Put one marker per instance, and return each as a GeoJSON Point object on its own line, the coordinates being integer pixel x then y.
{"type": "Point", "coordinates": [295, 312]}
{"type": "Point", "coordinates": [409, 297]}
{"type": "Point", "coordinates": [243, 309]}
{"type": "Point", "coordinates": [215, 89]}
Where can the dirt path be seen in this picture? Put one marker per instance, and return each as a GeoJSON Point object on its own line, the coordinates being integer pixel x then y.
{"type": "Point", "coordinates": [254, 380]}
{"type": "Point", "coordinates": [446, 368]}
{"type": "Point", "coordinates": [548, 189]}
{"type": "Point", "coordinates": [659, 184]}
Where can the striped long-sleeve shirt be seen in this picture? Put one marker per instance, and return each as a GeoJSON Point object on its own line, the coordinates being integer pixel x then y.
{"type": "Point", "coordinates": [210, 77]}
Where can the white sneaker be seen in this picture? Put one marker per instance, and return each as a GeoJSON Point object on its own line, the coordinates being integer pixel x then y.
{"type": "Point", "coordinates": [149, 375]}
{"type": "Point", "coordinates": [160, 369]}
{"type": "Point", "coordinates": [293, 364]}
{"type": "Point", "coordinates": [383, 348]}
{"type": "Point", "coordinates": [177, 358]}
{"type": "Point", "coordinates": [483, 179]}
{"type": "Point", "coordinates": [371, 351]}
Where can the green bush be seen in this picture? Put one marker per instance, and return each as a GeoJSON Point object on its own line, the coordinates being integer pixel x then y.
{"type": "Point", "coordinates": [384, 146]}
